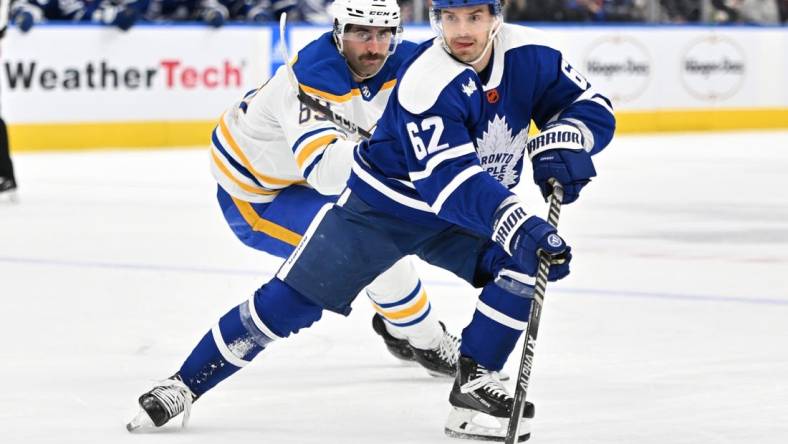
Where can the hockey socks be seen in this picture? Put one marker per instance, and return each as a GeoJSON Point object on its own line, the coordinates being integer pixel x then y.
{"type": "Point", "coordinates": [273, 312]}
{"type": "Point", "coordinates": [501, 316]}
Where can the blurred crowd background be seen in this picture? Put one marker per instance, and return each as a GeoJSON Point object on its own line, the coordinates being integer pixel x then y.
{"type": "Point", "coordinates": [26, 14]}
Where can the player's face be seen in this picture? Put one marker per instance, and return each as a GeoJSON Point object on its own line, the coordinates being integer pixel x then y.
{"type": "Point", "coordinates": [366, 47]}
{"type": "Point", "coordinates": [466, 30]}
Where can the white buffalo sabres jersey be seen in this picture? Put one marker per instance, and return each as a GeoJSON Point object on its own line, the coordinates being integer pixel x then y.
{"type": "Point", "coordinates": [270, 140]}
{"type": "Point", "coordinates": [452, 142]}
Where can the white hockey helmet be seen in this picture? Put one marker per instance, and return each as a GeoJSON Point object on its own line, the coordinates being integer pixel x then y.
{"type": "Point", "coordinates": [380, 13]}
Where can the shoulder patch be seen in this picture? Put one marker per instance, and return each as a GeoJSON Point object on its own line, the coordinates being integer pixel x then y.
{"type": "Point", "coordinates": [425, 79]}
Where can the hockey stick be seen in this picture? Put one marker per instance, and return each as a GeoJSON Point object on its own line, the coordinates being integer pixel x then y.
{"type": "Point", "coordinates": [531, 331]}
{"type": "Point", "coordinates": [309, 101]}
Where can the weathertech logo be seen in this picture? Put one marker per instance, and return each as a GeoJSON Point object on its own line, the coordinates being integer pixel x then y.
{"type": "Point", "coordinates": [102, 75]}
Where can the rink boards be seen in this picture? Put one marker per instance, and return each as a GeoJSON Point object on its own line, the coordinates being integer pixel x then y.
{"type": "Point", "coordinates": [72, 87]}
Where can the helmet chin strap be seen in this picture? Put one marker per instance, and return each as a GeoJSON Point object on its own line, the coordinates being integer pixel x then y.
{"type": "Point", "coordinates": [490, 37]}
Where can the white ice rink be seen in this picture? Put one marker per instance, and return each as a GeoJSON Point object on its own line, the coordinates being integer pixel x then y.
{"type": "Point", "coordinates": [672, 328]}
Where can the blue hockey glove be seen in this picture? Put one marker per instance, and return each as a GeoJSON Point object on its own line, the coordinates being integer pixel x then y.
{"type": "Point", "coordinates": [558, 152]}
{"type": "Point", "coordinates": [24, 20]}
{"type": "Point", "coordinates": [213, 17]}
{"type": "Point", "coordinates": [524, 237]}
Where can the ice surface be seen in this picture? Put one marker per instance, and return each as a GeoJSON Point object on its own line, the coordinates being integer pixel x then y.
{"type": "Point", "coordinates": [673, 327]}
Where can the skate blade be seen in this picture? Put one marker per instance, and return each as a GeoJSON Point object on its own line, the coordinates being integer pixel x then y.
{"type": "Point", "coordinates": [471, 424]}
{"type": "Point", "coordinates": [435, 374]}
{"type": "Point", "coordinates": [141, 421]}
{"type": "Point", "coordinates": [501, 376]}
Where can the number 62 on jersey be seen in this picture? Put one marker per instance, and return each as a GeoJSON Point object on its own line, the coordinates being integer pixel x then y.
{"type": "Point", "coordinates": [415, 133]}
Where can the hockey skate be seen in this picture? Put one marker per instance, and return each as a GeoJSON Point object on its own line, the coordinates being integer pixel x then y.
{"type": "Point", "coordinates": [397, 347]}
{"type": "Point", "coordinates": [7, 189]}
{"type": "Point", "coordinates": [481, 405]}
{"type": "Point", "coordinates": [163, 402]}
{"type": "Point", "coordinates": [442, 360]}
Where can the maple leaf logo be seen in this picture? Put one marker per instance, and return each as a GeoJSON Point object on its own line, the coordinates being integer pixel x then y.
{"type": "Point", "coordinates": [499, 152]}
{"type": "Point", "coordinates": [469, 88]}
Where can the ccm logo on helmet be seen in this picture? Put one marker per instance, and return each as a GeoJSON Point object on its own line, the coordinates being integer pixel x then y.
{"type": "Point", "coordinates": [384, 13]}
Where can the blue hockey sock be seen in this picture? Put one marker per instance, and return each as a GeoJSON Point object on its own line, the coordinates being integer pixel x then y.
{"type": "Point", "coordinates": [273, 312]}
{"type": "Point", "coordinates": [500, 316]}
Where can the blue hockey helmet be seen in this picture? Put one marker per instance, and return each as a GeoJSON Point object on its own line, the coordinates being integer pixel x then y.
{"type": "Point", "coordinates": [496, 6]}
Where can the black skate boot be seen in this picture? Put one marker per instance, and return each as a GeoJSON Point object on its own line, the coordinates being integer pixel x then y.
{"type": "Point", "coordinates": [7, 189]}
{"type": "Point", "coordinates": [397, 347]}
{"type": "Point", "coordinates": [481, 405]}
{"type": "Point", "coordinates": [163, 402]}
{"type": "Point", "coordinates": [442, 360]}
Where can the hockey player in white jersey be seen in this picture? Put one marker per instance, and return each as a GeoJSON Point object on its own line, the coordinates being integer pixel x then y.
{"type": "Point", "coordinates": [277, 163]}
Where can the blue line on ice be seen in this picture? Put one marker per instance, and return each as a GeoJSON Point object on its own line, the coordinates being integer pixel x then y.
{"type": "Point", "coordinates": [270, 272]}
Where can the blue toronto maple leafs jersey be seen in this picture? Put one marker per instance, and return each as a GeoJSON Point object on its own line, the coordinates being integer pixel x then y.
{"type": "Point", "coordinates": [451, 144]}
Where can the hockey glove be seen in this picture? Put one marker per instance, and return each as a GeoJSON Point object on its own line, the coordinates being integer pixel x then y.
{"type": "Point", "coordinates": [524, 237]}
{"type": "Point", "coordinates": [558, 152]}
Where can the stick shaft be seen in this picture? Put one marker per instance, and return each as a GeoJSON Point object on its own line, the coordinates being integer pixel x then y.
{"type": "Point", "coordinates": [532, 329]}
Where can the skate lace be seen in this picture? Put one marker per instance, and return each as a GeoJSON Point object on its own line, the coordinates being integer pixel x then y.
{"type": "Point", "coordinates": [449, 348]}
{"type": "Point", "coordinates": [175, 397]}
{"type": "Point", "coordinates": [488, 381]}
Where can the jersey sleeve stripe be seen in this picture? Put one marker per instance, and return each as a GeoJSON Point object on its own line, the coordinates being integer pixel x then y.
{"type": "Point", "coordinates": [312, 148]}
{"type": "Point", "coordinates": [310, 134]}
{"type": "Point", "coordinates": [312, 165]}
{"type": "Point", "coordinates": [245, 160]}
{"type": "Point", "coordinates": [257, 223]}
{"type": "Point", "coordinates": [388, 192]}
{"type": "Point", "coordinates": [244, 186]}
{"type": "Point", "coordinates": [439, 158]}
{"type": "Point", "coordinates": [453, 185]}
{"type": "Point", "coordinates": [218, 146]}
{"type": "Point", "coordinates": [592, 95]}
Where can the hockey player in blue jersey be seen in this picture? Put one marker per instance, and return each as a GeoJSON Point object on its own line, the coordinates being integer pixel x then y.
{"type": "Point", "coordinates": [435, 181]}
{"type": "Point", "coordinates": [277, 163]}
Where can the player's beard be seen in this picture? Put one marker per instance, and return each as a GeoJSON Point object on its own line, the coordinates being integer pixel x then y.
{"type": "Point", "coordinates": [368, 64]}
